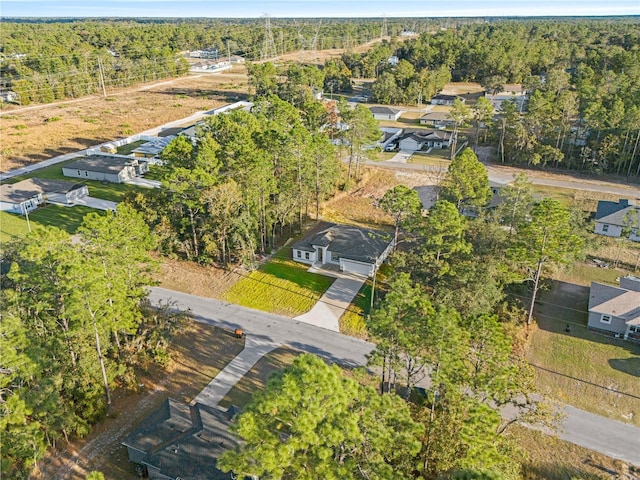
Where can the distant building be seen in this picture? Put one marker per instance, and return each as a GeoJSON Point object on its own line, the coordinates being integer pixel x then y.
{"type": "Point", "coordinates": [437, 119]}
{"type": "Point", "coordinates": [8, 96]}
{"type": "Point", "coordinates": [211, 53]}
{"type": "Point", "coordinates": [385, 113]}
{"type": "Point", "coordinates": [442, 99]}
{"type": "Point", "coordinates": [513, 92]}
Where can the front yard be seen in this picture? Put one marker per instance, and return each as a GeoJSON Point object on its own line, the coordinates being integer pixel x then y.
{"type": "Point", "coordinates": [280, 286]}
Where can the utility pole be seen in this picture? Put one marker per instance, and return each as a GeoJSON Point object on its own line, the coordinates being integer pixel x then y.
{"type": "Point", "coordinates": [228, 52]}
{"type": "Point", "coordinates": [26, 215]}
{"type": "Point", "coordinates": [104, 89]}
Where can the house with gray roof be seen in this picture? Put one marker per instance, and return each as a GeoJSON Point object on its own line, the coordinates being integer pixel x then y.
{"type": "Point", "coordinates": [109, 168]}
{"type": "Point", "coordinates": [417, 139]}
{"type": "Point", "coordinates": [438, 119]}
{"type": "Point", "coordinates": [26, 195]}
{"type": "Point", "coordinates": [443, 99]}
{"type": "Point", "coordinates": [354, 249]}
{"type": "Point", "coordinates": [180, 441]}
{"type": "Point", "coordinates": [612, 218]}
{"type": "Point", "coordinates": [385, 113]}
{"type": "Point", "coordinates": [616, 309]}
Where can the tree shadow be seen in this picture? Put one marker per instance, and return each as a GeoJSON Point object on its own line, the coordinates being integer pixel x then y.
{"type": "Point", "coordinates": [629, 366]}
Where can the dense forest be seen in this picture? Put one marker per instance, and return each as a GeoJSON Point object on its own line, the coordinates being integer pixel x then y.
{"type": "Point", "coordinates": [582, 78]}
{"type": "Point", "coordinates": [46, 61]}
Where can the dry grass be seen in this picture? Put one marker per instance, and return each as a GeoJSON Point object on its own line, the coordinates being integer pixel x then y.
{"type": "Point", "coordinates": [28, 138]}
{"type": "Point", "coordinates": [256, 378]}
{"type": "Point", "coordinates": [549, 458]}
{"type": "Point", "coordinates": [195, 279]}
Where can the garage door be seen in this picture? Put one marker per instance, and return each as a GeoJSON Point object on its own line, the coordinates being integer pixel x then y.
{"type": "Point", "coordinates": [356, 267]}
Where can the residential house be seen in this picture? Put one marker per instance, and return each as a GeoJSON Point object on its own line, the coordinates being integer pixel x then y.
{"type": "Point", "coordinates": [355, 250]}
{"type": "Point", "coordinates": [26, 195]}
{"type": "Point", "coordinates": [442, 99]}
{"type": "Point", "coordinates": [438, 119]}
{"type": "Point", "coordinates": [612, 218]}
{"type": "Point", "coordinates": [411, 142]}
{"type": "Point", "coordinates": [417, 139]}
{"type": "Point", "coordinates": [385, 113]}
{"type": "Point", "coordinates": [109, 168]}
{"type": "Point", "coordinates": [616, 309]}
{"type": "Point", "coordinates": [152, 149]}
{"type": "Point", "coordinates": [180, 441]}
{"type": "Point", "coordinates": [512, 92]}
{"type": "Point", "coordinates": [389, 135]}
{"type": "Point", "coordinates": [493, 203]}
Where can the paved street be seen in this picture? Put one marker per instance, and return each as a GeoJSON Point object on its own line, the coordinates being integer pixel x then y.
{"type": "Point", "coordinates": [615, 439]}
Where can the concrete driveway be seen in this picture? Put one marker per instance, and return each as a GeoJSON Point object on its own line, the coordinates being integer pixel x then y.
{"type": "Point", "coordinates": [143, 182]}
{"type": "Point", "coordinates": [327, 312]}
{"type": "Point", "coordinates": [96, 203]}
{"type": "Point", "coordinates": [401, 157]}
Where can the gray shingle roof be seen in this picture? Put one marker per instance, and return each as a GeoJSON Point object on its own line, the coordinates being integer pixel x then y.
{"type": "Point", "coordinates": [351, 243]}
{"type": "Point", "coordinates": [606, 207]}
{"type": "Point", "coordinates": [615, 301]}
{"type": "Point", "coordinates": [184, 441]}
{"type": "Point", "coordinates": [32, 187]}
{"type": "Point", "coordinates": [620, 217]}
{"type": "Point", "coordinates": [384, 110]}
{"type": "Point", "coordinates": [100, 163]}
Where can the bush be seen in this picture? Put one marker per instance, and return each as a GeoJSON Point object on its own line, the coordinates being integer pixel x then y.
{"type": "Point", "coordinates": [53, 119]}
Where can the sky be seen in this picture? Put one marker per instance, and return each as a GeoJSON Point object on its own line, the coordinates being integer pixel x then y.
{"type": "Point", "coordinates": [311, 8]}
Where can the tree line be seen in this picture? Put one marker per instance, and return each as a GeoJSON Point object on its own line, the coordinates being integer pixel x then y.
{"type": "Point", "coordinates": [75, 324]}
{"type": "Point", "coordinates": [55, 60]}
{"type": "Point", "coordinates": [247, 180]}
{"type": "Point", "coordinates": [581, 76]}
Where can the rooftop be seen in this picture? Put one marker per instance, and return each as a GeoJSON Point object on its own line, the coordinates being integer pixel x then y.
{"type": "Point", "coordinates": [32, 187]}
{"type": "Point", "coordinates": [351, 243]}
{"type": "Point", "coordinates": [101, 163]}
{"type": "Point", "coordinates": [615, 301]}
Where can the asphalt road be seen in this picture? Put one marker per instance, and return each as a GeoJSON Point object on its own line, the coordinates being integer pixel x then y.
{"type": "Point", "coordinates": [609, 437]}
{"type": "Point", "coordinates": [503, 174]}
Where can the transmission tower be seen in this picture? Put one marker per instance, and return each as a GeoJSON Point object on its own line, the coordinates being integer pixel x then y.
{"type": "Point", "coordinates": [314, 43]}
{"type": "Point", "coordinates": [269, 46]}
{"type": "Point", "coordinates": [383, 29]}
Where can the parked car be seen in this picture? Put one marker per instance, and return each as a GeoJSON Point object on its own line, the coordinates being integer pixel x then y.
{"type": "Point", "coordinates": [392, 147]}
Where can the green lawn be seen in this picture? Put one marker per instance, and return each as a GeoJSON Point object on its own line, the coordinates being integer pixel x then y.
{"type": "Point", "coordinates": [581, 367]}
{"type": "Point", "coordinates": [130, 147]}
{"type": "Point", "coordinates": [436, 157]}
{"type": "Point", "coordinates": [280, 286]}
{"type": "Point", "coordinates": [12, 227]}
{"type": "Point", "coordinates": [67, 218]}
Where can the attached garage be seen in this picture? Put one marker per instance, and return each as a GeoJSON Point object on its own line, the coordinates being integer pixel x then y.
{"type": "Point", "coordinates": [355, 250]}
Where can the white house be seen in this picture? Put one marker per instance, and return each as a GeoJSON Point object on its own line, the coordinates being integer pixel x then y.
{"type": "Point", "coordinates": [353, 249]}
{"type": "Point", "coordinates": [613, 217]}
{"type": "Point", "coordinates": [616, 309]}
{"type": "Point", "coordinates": [437, 119]}
{"type": "Point", "coordinates": [109, 168]}
{"type": "Point", "coordinates": [411, 142]}
{"type": "Point", "coordinates": [26, 195]}
{"type": "Point", "coordinates": [414, 140]}
{"type": "Point", "coordinates": [385, 113]}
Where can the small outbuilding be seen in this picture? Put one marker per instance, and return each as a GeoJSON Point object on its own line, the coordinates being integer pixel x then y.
{"type": "Point", "coordinates": [354, 249]}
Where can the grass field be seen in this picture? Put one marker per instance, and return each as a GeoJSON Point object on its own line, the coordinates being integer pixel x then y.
{"type": "Point", "coordinates": [580, 367]}
{"type": "Point", "coordinates": [436, 157]}
{"type": "Point", "coordinates": [67, 218]}
{"type": "Point", "coordinates": [280, 286]}
{"type": "Point", "coordinates": [130, 147]}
